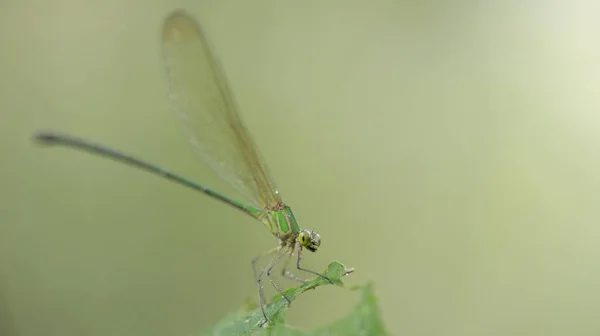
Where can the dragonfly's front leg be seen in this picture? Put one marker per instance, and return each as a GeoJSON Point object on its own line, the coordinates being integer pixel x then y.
{"type": "Point", "coordinates": [288, 274]}
{"type": "Point", "coordinates": [299, 259]}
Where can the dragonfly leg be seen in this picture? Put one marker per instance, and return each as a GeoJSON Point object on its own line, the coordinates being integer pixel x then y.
{"type": "Point", "coordinates": [299, 259]}
{"type": "Point", "coordinates": [258, 277]}
{"type": "Point", "coordinates": [288, 274]}
{"type": "Point", "coordinates": [270, 267]}
{"type": "Point", "coordinates": [279, 253]}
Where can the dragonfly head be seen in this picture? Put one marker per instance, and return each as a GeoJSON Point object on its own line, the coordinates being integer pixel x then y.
{"type": "Point", "coordinates": [310, 240]}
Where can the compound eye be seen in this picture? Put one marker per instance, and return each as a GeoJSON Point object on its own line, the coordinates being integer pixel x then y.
{"type": "Point", "coordinates": [316, 239]}
{"type": "Point", "coordinates": [304, 238]}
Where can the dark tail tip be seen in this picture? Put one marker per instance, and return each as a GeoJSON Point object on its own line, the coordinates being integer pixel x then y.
{"type": "Point", "coordinates": [44, 137]}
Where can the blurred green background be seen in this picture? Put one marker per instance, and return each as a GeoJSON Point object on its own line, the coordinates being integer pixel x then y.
{"type": "Point", "coordinates": [449, 151]}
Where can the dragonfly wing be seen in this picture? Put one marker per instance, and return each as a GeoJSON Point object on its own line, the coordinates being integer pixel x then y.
{"type": "Point", "coordinates": [209, 113]}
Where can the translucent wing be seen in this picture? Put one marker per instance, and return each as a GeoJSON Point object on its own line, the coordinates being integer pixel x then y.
{"type": "Point", "coordinates": [209, 113]}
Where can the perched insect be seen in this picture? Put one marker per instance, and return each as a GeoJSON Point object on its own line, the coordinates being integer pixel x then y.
{"type": "Point", "coordinates": [209, 113]}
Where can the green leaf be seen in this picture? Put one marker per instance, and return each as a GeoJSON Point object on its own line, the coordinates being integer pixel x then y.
{"type": "Point", "coordinates": [364, 319]}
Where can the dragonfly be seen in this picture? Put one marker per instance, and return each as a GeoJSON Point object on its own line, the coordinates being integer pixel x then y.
{"type": "Point", "coordinates": [209, 114]}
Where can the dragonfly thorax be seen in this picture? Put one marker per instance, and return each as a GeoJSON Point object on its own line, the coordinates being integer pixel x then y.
{"type": "Point", "coordinates": [309, 239]}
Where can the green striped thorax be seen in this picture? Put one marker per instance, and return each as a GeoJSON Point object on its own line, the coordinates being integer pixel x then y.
{"type": "Point", "coordinates": [282, 223]}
